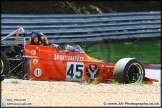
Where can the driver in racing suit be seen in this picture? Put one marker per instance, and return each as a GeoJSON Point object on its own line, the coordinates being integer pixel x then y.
{"type": "Point", "coordinates": [38, 38]}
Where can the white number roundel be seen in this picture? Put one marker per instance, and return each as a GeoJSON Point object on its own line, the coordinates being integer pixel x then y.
{"type": "Point", "coordinates": [37, 72]}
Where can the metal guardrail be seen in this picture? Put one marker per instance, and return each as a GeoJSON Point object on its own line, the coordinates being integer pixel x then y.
{"type": "Point", "coordinates": [63, 28]}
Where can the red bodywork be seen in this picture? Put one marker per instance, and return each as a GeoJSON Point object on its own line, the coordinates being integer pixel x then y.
{"type": "Point", "coordinates": [49, 64]}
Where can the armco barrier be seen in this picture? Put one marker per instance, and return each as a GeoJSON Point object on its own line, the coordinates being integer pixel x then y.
{"type": "Point", "coordinates": [62, 28]}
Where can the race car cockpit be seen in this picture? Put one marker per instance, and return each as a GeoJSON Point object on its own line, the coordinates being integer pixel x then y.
{"type": "Point", "coordinates": [73, 48]}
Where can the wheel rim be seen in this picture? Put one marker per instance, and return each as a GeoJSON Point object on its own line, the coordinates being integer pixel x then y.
{"type": "Point", "coordinates": [1, 66]}
{"type": "Point", "coordinates": [135, 73]}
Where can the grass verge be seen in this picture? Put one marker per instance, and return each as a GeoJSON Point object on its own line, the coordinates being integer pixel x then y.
{"type": "Point", "coordinates": [147, 51]}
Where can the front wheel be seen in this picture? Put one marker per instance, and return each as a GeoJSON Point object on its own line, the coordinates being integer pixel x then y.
{"type": "Point", "coordinates": [129, 70]}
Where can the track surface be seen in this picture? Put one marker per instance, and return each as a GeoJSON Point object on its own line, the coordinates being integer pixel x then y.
{"type": "Point", "coordinates": [44, 93]}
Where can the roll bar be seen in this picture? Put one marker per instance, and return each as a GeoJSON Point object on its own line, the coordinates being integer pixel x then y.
{"type": "Point", "coordinates": [17, 32]}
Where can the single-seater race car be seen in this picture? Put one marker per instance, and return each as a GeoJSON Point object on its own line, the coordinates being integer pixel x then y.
{"type": "Point", "coordinates": [51, 63]}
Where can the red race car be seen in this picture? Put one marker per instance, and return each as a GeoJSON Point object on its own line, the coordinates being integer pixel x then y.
{"type": "Point", "coordinates": [51, 63]}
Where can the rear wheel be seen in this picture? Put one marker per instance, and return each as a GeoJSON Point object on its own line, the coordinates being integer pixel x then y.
{"type": "Point", "coordinates": [129, 70]}
{"type": "Point", "coordinates": [4, 66]}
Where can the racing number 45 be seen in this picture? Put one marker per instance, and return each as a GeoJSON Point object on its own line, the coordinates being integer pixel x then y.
{"type": "Point", "coordinates": [74, 71]}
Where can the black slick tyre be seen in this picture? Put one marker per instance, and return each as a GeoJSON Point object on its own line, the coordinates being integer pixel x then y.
{"type": "Point", "coordinates": [4, 66]}
{"type": "Point", "coordinates": [129, 70]}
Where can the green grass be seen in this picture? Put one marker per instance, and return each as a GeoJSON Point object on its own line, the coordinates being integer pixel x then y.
{"type": "Point", "coordinates": [147, 51]}
{"type": "Point", "coordinates": [15, 81]}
